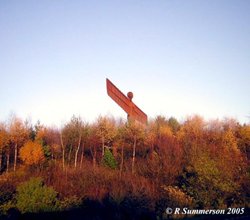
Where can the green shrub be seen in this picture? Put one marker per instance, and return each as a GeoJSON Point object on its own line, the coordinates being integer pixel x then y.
{"type": "Point", "coordinates": [34, 196]}
{"type": "Point", "coordinates": [109, 160]}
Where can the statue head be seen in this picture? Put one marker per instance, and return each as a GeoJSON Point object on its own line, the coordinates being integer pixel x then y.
{"type": "Point", "coordinates": [130, 95]}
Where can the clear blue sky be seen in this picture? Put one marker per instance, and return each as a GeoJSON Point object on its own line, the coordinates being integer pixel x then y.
{"type": "Point", "coordinates": [178, 57]}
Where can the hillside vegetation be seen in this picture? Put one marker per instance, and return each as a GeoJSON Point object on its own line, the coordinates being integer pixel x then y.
{"type": "Point", "coordinates": [111, 169]}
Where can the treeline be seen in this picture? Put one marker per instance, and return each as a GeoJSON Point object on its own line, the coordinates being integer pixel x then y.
{"type": "Point", "coordinates": [139, 169]}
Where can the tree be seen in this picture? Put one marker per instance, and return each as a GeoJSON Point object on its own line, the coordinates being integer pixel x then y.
{"type": "Point", "coordinates": [19, 133]}
{"type": "Point", "coordinates": [3, 142]}
{"type": "Point", "coordinates": [85, 139]}
{"type": "Point", "coordinates": [40, 133]}
{"type": "Point", "coordinates": [191, 137]}
{"type": "Point", "coordinates": [120, 141]}
{"type": "Point", "coordinates": [93, 143]}
{"type": "Point", "coordinates": [72, 134]}
{"type": "Point", "coordinates": [173, 124]}
{"type": "Point", "coordinates": [229, 141]}
{"type": "Point", "coordinates": [32, 153]}
{"type": "Point", "coordinates": [49, 137]}
{"type": "Point", "coordinates": [243, 138]}
{"type": "Point", "coordinates": [151, 136]}
{"type": "Point", "coordinates": [164, 163]}
{"type": "Point", "coordinates": [63, 151]}
{"type": "Point", "coordinates": [105, 131]}
{"type": "Point", "coordinates": [134, 133]}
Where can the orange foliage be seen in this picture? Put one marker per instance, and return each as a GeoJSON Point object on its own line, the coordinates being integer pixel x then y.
{"type": "Point", "coordinates": [32, 153]}
{"type": "Point", "coordinates": [41, 133]}
{"type": "Point", "coordinates": [3, 136]}
{"type": "Point", "coordinates": [18, 131]}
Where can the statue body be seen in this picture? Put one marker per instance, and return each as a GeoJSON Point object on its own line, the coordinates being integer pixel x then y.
{"type": "Point", "coordinates": [126, 103]}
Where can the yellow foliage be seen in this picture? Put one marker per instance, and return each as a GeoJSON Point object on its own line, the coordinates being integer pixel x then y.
{"type": "Point", "coordinates": [229, 141]}
{"type": "Point", "coordinates": [32, 153]}
{"type": "Point", "coordinates": [165, 131]}
{"type": "Point", "coordinates": [177, 195]}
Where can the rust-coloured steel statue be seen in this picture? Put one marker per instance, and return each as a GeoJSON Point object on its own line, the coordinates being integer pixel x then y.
{"type": "Point", "coordinates": [125, 102]}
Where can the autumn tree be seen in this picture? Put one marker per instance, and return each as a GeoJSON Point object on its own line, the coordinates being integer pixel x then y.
{"type": "Point", "coordinates": [151, 136]}
{"type": "Point", "coordinates": [32, 153]}
{"type": "Point", "coordinates": [230, 124]}
{"type": "Point", "coordinates": [3, 142]}
{"type": "Point", "coordinates": [243, 140]}
{"type": "Point", "coordinates": [85, 139]}
{"type": "Point", "coordinates": [49, 137]}
{"type": "Point", "coordinates": [165, 161]}
{"type": "Point", "coordinates": [191, 137]}
{"type": "Point", "coordinates": [105, 129]}
{"type": "Point", "coordinates": [78, 126]}
{"type": "Point", "coordinates": [93, 143]}
{"type": "Point", "coordinates": [40, 133]}
{"type": "Point", "coordinates": [120, 141]}
{"type": "Point", "coordinates": [18, 135]}
{"type": "Point", "coordinates": [63, 150]}
{"type": "Point", "coordinates": [133, 134]}
{"type": "Point", "coordinates": [72, 137]}
{"type": "Point", "coordinates": [162, 129]}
